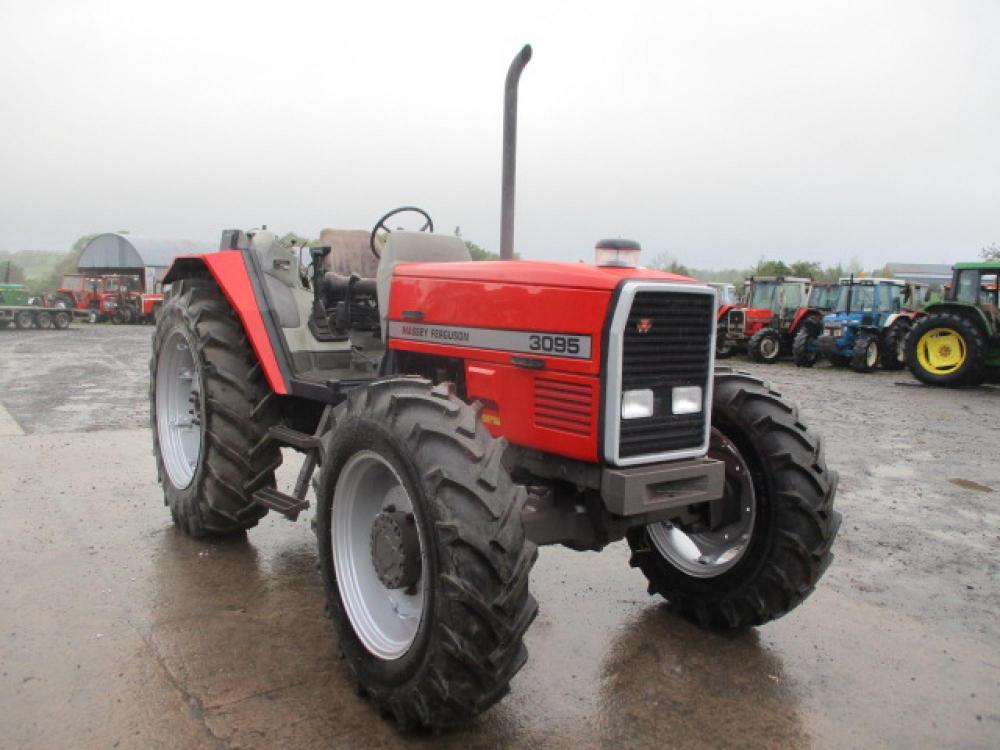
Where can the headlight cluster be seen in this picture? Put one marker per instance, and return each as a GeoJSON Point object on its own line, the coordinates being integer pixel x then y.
{"type": "Point", "coordinates": [640, 403]}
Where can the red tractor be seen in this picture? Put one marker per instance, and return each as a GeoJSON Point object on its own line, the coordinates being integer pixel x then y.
{"type": "Point", "coordinates": [125, 302]}
{"type": "Point", "coordinates": [458, 414]}
{"type": "Point", "coordinates": [775, 308]}
{"type": "Point", "coordinates": [119, 298]}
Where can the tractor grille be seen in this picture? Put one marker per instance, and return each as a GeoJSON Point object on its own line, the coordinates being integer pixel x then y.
{"type": "Point", "coordinates": [667, 342]}
{"type": "Point", "coordinates": [564, 406]}
{"type": "Point", "coordinates": [736, 320]}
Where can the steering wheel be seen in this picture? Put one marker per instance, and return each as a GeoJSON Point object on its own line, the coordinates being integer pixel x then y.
{"type": "Point", "coordinates": [381, 224]}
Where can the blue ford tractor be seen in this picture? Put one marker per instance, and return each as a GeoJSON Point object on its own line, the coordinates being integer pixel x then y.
{"type": "Point", "coordinates": [867, 328]}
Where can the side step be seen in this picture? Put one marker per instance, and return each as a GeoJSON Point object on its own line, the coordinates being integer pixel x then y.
{"type": "Point", "coordinates": [286, 505]}
{"type": "Point", "coordinates": [301, 441]}
{"type": "Point", "coordinates": [291, 505]}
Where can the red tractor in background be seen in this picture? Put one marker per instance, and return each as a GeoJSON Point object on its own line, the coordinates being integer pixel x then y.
{"type": "Point", "coordinates": [458, 414]}
{"type": "Point", "coordinates": [119, 298]}
{"type": "Point", "coordinates": [773, 311]}
{"type": "Point", "coordinates": [126, 302]}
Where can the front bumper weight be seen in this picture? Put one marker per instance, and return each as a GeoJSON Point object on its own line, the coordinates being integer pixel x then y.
{"type": "Point", "coordinates": [647, 489]}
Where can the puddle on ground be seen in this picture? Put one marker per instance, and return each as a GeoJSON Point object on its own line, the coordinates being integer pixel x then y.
{"type": "Point", "coordinates": [968, 484]}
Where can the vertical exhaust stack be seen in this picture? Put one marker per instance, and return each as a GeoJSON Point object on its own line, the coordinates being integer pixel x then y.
{"type": "Point", "coordinates": [510, 152]}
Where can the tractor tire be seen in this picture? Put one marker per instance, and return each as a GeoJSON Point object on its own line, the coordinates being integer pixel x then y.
{"type": "Point", "coordinates": [61, 319]}
{"type": "Point", "coordinates": [867, 352]}
{"type": "Point", "coordinates": [764, 346]}
{"type": "Point", "coordinates": [786, 547]}
{"type": "Point", "coordinates": [43, 319]}
{"type": "Point", "coordinates": [947, 350]}
{"type": "Point", "coordinates": [894, 346]}
{"type": "Point", "coordinates": [804, 352]}
{"type": "Point", "coordinates": [23, 319]}
{"type": "Point", "coordinates": [421, 450]}
{"type": "Point", "coordinates": [202, 358]}
{"type": "Point", "coordinates": [723, 350]}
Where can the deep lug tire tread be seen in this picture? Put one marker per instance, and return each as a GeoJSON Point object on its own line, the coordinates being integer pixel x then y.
{"type": "Point", "coordinates": [891, 338]}
{"type": "Point", "coordinates": [791, 548]}
{"type": "Point", "coordinates": [800, 349]}
{"type": "Point", "coordinates": [480, 600]}
{"type": "Point", "coordinates": [238, 456]}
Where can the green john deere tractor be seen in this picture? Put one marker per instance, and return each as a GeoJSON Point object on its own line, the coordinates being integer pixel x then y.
{"type": "Point", "coordinates": [957, 341]}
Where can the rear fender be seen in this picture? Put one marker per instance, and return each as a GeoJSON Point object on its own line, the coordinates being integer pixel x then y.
{"type": "Point", "coordinates": [969, 312]}
{"type": "Point", "coordinates": [229, 270]}
{"type": "Point", "coordinates": [802, 314]}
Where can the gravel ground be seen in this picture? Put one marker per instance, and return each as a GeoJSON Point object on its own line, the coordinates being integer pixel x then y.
{"type": "Point", "coordinates": [117, 631]}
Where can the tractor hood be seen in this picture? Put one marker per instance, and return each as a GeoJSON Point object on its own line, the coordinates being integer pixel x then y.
{"type": "Point", "coordinates": [844, 318]}
{"type": "Point", "coordinates": [533, 273]}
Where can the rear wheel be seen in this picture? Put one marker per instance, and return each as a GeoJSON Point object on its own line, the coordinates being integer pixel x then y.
{"type": "Point", "coordinates": [866, 353]}
{"type": "Point", "coordinates": [804, 351]}
{"type": "Point", "coordinates": [210, 408]}
{"type": "Point", "coordinates": [946, 349]}
{"type": "Point", "coordinates": [43, 319]}
{"type": "Point", "coordinates": [423, 553]}
{"type": "Point", "coordinates": [61, 319]}
{"type": "Point", "coordinates": [894, 345]}
{"type": "Point", "coordinates": [777, 525]}
{"type": "Point", "coordinates": [765, 346]}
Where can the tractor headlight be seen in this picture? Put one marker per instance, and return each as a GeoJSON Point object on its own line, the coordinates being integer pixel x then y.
{"type": "Point", "coordinates": [637, 404]}
{"type": "Point", "coordinates": [686, 399]}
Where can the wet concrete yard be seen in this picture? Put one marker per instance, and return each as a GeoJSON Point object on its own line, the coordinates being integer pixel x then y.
{"type": "Point", "coordinates": [117, 631]}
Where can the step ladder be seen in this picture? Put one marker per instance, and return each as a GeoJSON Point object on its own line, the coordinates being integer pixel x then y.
{"type": "Point", "coordinates": [291, 505]}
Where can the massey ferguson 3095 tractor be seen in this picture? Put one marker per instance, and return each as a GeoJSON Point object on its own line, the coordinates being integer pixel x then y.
{"type": "Point", "coordinates": [775, 311]}
{"type": "Point", "coordinates": [958, 341]}
{"type": "Point", "coordinates": [868, 327]}
{"type": "Point", "coordinates": [456, 415]}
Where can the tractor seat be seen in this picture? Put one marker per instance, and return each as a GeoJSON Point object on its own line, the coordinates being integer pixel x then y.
{"type": "Point", "coordinates": [414, 247]}
{"type": "Point", "coordinates": [350, 252]}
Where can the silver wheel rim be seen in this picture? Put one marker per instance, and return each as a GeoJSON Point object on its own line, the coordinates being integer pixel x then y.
{"type": "Point", "coordinates": [178, 409]}
{"type": "Point", "coordinates": [385, 620]}
{"type": "Point", "coordinates": [708, 554]}
{"type": "Point", "coordinates": [769, 348]}
{"type": "Point", "coordinates": [871, 356]}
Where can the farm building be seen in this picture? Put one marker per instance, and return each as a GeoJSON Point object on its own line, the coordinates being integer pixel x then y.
{"type": "Point", "coordinates": [143, 256]}
{"type": "Point", "coordinates": [934, 274]}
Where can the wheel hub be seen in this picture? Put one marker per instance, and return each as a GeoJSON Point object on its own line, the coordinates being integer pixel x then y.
{"type": "Point", "coordinates": [707, 553]}
{"type": "Point", "coordinates": [395, 549]}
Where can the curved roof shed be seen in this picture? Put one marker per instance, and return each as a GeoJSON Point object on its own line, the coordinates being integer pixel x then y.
{"type": "Point", "coordinates": [111, 252]}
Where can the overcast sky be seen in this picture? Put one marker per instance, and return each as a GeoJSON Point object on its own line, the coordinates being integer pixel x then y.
{"type": "Point", "coordinates": [716, 132]}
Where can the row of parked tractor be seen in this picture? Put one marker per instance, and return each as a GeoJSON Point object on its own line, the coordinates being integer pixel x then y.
{"type": "Point", "coordinates": [867, 323]}
{"type": "Point", "coordinates": [116, 298]}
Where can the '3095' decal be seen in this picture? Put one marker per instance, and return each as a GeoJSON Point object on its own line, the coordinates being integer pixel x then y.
{"type": "Point", "coordinates": [530, 342]}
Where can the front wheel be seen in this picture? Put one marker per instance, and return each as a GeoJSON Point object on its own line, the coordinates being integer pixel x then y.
{"type": "Point", "coordinates": [765, 346]}
{"type": "Point", "coordinates": [423, 553]}
{"type": "Point", "coordinates": [759, 552]}
{"type": "Point", "coordinates": [866, 353]}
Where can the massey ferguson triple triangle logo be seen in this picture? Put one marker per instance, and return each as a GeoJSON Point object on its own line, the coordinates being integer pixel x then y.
{"type": "Point", "coordinates": [645, 325]}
